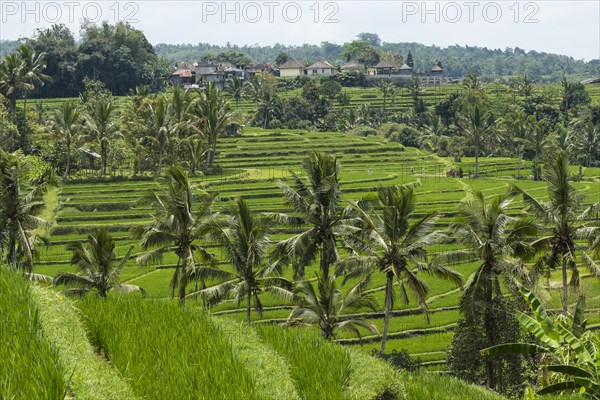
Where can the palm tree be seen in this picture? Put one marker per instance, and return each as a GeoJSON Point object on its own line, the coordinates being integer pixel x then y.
{"type": "Point", "coordinates": [317, 201]}
{"type": "Point", "coordinates": [519, 126]}
{"type": "Point", "coordinates": [478, 127]}
{"type": "Point", "coordinates": [178, 214]}
{"type": "Point", "coordinates": [20, 205]}
{"type": "Point", "coordinates": [327, 307]}
{"type": "Point", "coordinates": [101, 127]}
{"type": "Point", "coordinates": [589, 141]}
{"type": "Point", "coordinates": [180, 104]}
{"type": "Point", "coordinates": [395, 246]}
{"type": "Point", "coordinates": [13, 79]}
{"type": "Point", "coordinates": [66, 125]}
{"type": "Point", "coordinates": [98, 266]}
{"type": "Point", "coordinates": [33, 65]}
{"type": "Point", "coordinates": [161, 128]}
{"type": "Point", "coordinates": [385, 88]}
{"type": "Point", "coordinates": [562, 213]}
{"type": "Point", "coordinates": [214, 116]}
{"type": "Point", "coordinates": [244, 238]}
{"type": "Point", "coordinates": [499, 242]}
{"type": "Point", "coordinates": [235, 86]}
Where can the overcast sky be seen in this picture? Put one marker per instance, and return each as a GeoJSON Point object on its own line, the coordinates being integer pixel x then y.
{"type": "Point", "coordinates": [564, 27]}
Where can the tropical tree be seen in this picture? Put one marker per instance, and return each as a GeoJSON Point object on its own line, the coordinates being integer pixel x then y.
{"type": "Point", "coordinates": [214, 116]}
{"type": "Point", "coordinates": [13, 79]}
{"type": "Point", "coordinates": [499, 242]}
{"type": "Point", "coordinates": [386, 88]}
{"type": "Point", "coordinates": [570, 353]}
{"type": "Point", "coordinates": [564, 215]}
{"type": "Point", "coordinates": [235, 86]}
{"type": "Point", "coordinates": [589, 142]}
{"type": "Point", "coordinates": [98, 266]}
{"type": "Point", "coordinates": [479, 127]}
{"type": "Point", "coordinates": [244, 237]}
{"type": "Point", "coordinates": [395, 247]}
{"type": "Point", "coordinates": [178, 214]}
{"type": "Point", "coordinates": [20, 204]}
{"type": "Point", "coordinates": [316, 200]}
{"type": "Point", "coordinates": [160, 127]}
{"type": "Point", "coordinates": [101, 128]}
{"type": "Point", "coordinates": [327, 308]}
{"type": "Point", "coordinates": [33, 65]}
{"type": "Point", "coordinates": [519, 127]}
{"type": "Point", "coordinates": [66, 127]}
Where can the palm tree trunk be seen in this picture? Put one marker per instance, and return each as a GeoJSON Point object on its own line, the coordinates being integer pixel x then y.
{"type": "Point", "coordinates": [160, 162]}
{"type": "Point", "coordinates": [68, 167]}
{"type": "Point", "coordinates": [388, 308]}
{"type": "Point", "coordinates": [248, 304]}
{"type": "Point", "coordinates": [103, 159]}
{"type": "Point", "coordinates": [476, 173]}
{"type": "Point", "coordinates": [12, 101]}
{"type": "Point", "coordinates": [24, 131]}
{"type": "Point", "coordinates": [489, 332]}
{"type": "Point", "coordinates": [324, 262]}
{"type": "Point", "coordinates": [565, 288]}
{"type": "Point", "coordinates": [11, 257]}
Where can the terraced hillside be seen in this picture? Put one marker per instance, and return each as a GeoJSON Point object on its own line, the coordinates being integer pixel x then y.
{"type": "Point", "coordinates": [252, 164]}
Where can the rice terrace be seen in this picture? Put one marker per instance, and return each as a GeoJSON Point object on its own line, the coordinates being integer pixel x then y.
{"type": "Point", "coordinates": [372, 220]}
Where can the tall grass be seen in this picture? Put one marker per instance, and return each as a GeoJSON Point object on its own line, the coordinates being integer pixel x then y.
{"type": "Point", "coordinates": [320, 370]}
{"type": "Point", "coordinates": [90, 378]}
{"type": "Point", "coordinates": [166, 351]}
{"type": "Point", "coordinates": [29, 365]}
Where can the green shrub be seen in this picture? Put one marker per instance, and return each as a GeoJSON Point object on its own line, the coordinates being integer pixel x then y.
{"type": "Point", "coordinates": [364, 131]}
{"type": "Point", "coordinates": [29, 366]}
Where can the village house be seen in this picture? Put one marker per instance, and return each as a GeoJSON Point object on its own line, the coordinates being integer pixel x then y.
{"type": "Point", "coordinates": [291, 68]}
{"type": "Point", "coordinates": [319, 68]}
{"type": "Point", "coordinates": [353, 65]}
{"type": "Point", "coordinates": [384, 68]}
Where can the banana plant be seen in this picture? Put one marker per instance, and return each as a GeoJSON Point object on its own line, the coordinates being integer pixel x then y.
{"type": "Point", "coordinates": [571, 354]}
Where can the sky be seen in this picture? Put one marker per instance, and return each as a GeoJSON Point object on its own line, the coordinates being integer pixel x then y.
{"type": "Point", "coordinates": [554, 26]}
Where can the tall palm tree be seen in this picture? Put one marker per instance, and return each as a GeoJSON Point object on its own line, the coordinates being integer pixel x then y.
{"type": "Point", "coordinates": [101, 127]}
{"type": "Point", "coordinates": [478, 127]}
{"type": "Point", "coordinates": [589, 141]}
{"type": "Point", "coordinates": [98, 266]}
{"type": "Point", "coordinates": [33, 65]}
{"type": "Point", "coordinates": [20, 204]}
{"type": "Point", "coordinates": [499, 242]}
{"type": "Point", "coordinates": [161, 128]}
{"type": "Point", "coordinates": [214, 116]}
{"type": "Point", "coordinates": [180, 104]}
{"type": "Point", "coordinates": [13, 78]}
{"type": "Point", "coordinates": [327, 307]}
{"type": "Point", "coordinates": [235, 86]}
{"type": "Point", "coordinates": [244, 238]}
{"type": "Point", "coordinates": [563, 213]}
{"type": "Point", "coordinates": [396, 247]}
{"type": "Point", "coordinates": [385, 88]}
{"type": "Point", "coordinates": [317, 201]}
{"type": "Point", "coordinates": [66, 126]}
{"type": "Point", "coordinates": [178, 214]}
{"type": "Point", "coordinates": [519, 127]}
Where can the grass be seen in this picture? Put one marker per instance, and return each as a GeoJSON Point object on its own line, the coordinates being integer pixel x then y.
{"type": "Point", "coordinates": [31, 367]}
{"type": "Point", "coordinates": [320, 371]}
{"type": "Point", "coordinates": [167, 351]}
{"type": "Point", "coordinates": [90, 377]}
{"type": "Point", "coordinates": [424, 386]}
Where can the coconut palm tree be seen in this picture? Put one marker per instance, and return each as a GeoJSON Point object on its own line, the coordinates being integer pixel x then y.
{"type": "Point", "coordinates": [33, 65]}
{"type": "Point", "coordinates": [316, 200]}
{"type": "Point", "coordinates": [326, 306]}
{"type": "Point", "coordinates": [101, 127]}
{"type": "Point", "coordinates": [479, 128]}
{"type": "Point", "coordinates": [66, 126]}
{"type": "Point", "coordinates": [13, 79]}
{"type": "Point", "coordinates": [244, 237]}
{"type": "Point", "coordinates": [500, 243]}
{"type": "Point", "coordinates": [235, 86]}
{"type": "Point", "coordinates": [386, 89]}
{"type": "Point", "coordinates": [98, 266]}
{"type": "Point", "coordinates": [563, 213]}
{"type": "Point", "coordinates": [589, 142]}
{"type": "Point", "coordinates": [161, 128]}
{"type": "Point", "coordinates": [20, 204]}
{"type": "Point", "coordinates": [214, 116]}
{"type": "Point", "coordinates": [178, 214]}
{"type": "Point", "coordinates": [395, 247]}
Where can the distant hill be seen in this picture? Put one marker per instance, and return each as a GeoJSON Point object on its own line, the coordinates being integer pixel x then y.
{"type": "Point", "coordinates": [458, 61]}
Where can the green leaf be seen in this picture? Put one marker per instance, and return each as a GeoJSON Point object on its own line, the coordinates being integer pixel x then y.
{"type": "Point", "coordinates": [514, 348]}
{"type": "Point", "coordinates": [569, 370]}
{"type": "Point", "coordinates": [537, 329]}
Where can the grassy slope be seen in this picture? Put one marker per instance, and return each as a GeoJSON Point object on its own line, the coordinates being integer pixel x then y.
{"type": "Point", "coordinates": [89, 376]}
